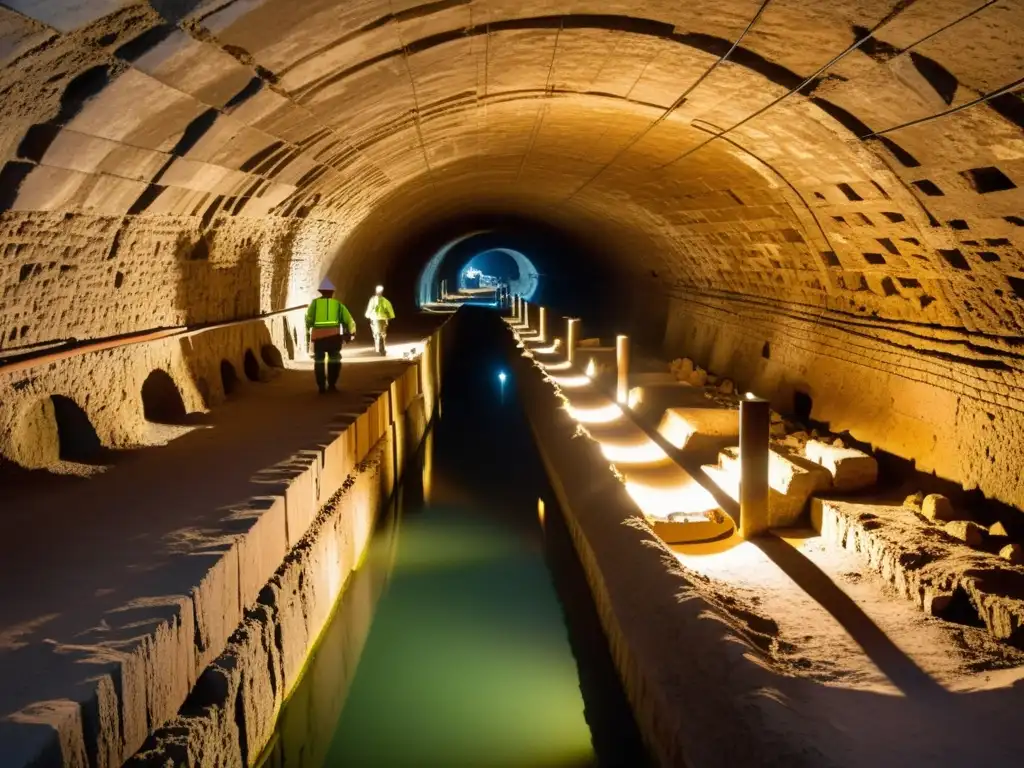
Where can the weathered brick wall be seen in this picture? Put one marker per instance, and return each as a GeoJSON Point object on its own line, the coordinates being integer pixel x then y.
{"type": "Point", "coordinates": [206, 160]}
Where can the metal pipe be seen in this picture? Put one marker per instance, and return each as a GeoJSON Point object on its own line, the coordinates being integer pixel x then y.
{"type": "Point", "coordinates": [542, 325]}
{"type": "Point", "coordinates": [622, 364]}
{"type": "Point", "coordinates": [526, 315]}
{"type": "Point", "coordinates": [572, 337]}
{"type": "Point", "coordinates": [755, 426]}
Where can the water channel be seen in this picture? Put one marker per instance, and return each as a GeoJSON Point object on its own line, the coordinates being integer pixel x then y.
{"type": "Point", "coordinates": [468, 637]}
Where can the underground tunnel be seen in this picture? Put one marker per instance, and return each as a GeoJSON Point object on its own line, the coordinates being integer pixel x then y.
{"type": "Point", "coordinates": [810, 201]}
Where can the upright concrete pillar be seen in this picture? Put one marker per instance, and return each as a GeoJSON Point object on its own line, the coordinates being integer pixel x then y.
{"type": "Point", "coordinates": [622, 364]}
{"type": "Point", "coordinates": [526, 315]}
{"type": "Point", "coordinates": [572, 338]}
{"type": "Point", "coordinates": [755, 426]}
{"type": "Point", "coordinates": [517, 308]}
{"type": "Point", "coordinates": [542, 325]}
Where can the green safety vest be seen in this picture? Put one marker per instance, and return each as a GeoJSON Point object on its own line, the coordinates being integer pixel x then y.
{"type": "Point", "coordinates": [328, 313]}
{"type": "Point", "coordinates": [380, 308]}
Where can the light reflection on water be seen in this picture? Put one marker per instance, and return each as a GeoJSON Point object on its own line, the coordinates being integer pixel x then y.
{"type": "Point", "coordinates": [467, 662]}
{"type": "Point", "coordinates": [450, 647]}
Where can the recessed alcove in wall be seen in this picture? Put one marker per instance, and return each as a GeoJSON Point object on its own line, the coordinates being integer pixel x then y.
{"type": "Point", "coordinates": [228, 377]}
{"type": "Point", "coordinates": [161, 401]}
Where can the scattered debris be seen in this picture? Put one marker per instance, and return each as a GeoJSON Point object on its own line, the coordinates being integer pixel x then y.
{"type": "Point", "coordinates": [938, 509]}
{"type": "Point", "coordinates": [914, 501]}
{"type": "Point", "coordinates": [968, 532]}
{"type": "Point", "coordinates": [852, 470]}
{"type": "Point", "coordinates": [998, 530]}
{"type": "Point", "coordinates": [1013, 552]}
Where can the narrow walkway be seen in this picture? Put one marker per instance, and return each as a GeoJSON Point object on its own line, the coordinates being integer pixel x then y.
{"type": "Point", "coordinates": [878, 681]}
{"type": "Point", "coordinates": [93, 564]}
{"type": "Point", "coordinates": [663, 490]}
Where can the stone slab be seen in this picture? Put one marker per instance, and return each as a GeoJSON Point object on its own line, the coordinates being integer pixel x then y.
{"type": "Point", "coordinates": [700, 430]}
{"type": "Point", "coordinates": [851, 470]}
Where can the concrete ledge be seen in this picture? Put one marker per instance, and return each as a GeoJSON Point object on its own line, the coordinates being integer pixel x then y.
{"type": "Point", "coordinates": [695, 684]}
{"type": "Point", "coordinates": [233, 709]}
{"type": "Point", "coordinates": [153, 650]}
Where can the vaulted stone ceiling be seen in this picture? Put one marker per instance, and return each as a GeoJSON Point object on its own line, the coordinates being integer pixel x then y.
{"type": "Point", "coordinates": [188, 160]}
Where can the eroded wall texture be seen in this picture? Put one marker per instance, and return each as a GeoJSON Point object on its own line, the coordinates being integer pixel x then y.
{"type": "Point", "coordinates": [818, 195]}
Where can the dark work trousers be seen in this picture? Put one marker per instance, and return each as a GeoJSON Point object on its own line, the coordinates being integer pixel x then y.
{"type": "Point", "coordinates": [327, 349]}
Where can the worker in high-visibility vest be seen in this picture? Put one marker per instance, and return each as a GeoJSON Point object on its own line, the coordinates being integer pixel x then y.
{"type": "Point", "coordinates": [328, 325]}
{"type": "Point", "coordinates": [379, 311]}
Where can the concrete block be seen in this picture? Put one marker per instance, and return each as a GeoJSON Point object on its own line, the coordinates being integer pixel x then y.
{"type": "Point", "coordinates": [698, 430]}
{"type": "Point", "coordinates": [262, 681]}
{"type": "Point", "coordinates": [285, 594]}
{"type": "Point", "coordinates": [338, 462]}
{"type": "Point", "coordinates": [302, 495]}
{"type": "Point", "coordinates": [416, 423]}
{"type": "Point", "coordinates": [792, 481]}
{"type": "Point", "coordinates": [851, 469]}
{"type": "Point", "coordinates": [262, 547]}
{"type": "Point", "coordinates": [217, 609]}
{"type": "Point", "coordinates": [362, 427]}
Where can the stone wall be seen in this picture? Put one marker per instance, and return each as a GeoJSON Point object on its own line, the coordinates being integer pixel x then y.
{"type": "Point", "coordinates": [106, 387]}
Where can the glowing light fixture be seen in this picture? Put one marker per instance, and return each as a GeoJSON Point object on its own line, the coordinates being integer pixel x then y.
{"type": "Point", "coordinates": [750, 396]}
{"type": "Point", "coordinates": [556, 366]}
{"type": "Point", "coordinates": [648, 452]}
{"type": "Point", "coordinates": [679, 502]}
{"type": "Point", "coordinates": [502, 377]}
{"type": "Point", "coordinates": [571, 382]}
{"type": "Point", "coordinates": [601, 415]}
{"type": "Point", "coordinates": [591, 368]}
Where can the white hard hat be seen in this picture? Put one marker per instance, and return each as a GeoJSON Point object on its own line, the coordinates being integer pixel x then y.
{"type": "Point", "coordinates": [380, 289]}
{"type": "Point", "coordinates": [326, 285]}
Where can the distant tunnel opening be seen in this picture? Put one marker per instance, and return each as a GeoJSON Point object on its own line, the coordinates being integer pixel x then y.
{"type": "Point", "coordinates": [161, 400]}
{"type": "Point", "coordinates": [490, 269]}
{"type": "Point", "coordinates": [504, 264]}
{"type": "Point", "coordinates": [75, 433]}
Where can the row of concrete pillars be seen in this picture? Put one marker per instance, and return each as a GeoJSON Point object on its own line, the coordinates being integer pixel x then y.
{"type": "Point", "coordinates": [755, 420]}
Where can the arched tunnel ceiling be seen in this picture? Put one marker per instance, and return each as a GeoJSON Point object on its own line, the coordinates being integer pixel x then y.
{"type": "Point", "coordinates": [216, 156]}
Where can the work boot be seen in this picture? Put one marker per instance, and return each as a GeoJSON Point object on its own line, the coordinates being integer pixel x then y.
{"type": "Point", "coordinates": [333, 374]}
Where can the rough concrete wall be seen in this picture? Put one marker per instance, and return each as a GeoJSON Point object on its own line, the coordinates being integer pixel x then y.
{"type": "Point", "coordinates": [107, 386]}
{"type": "Point", "coordinates": [850, 156]}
